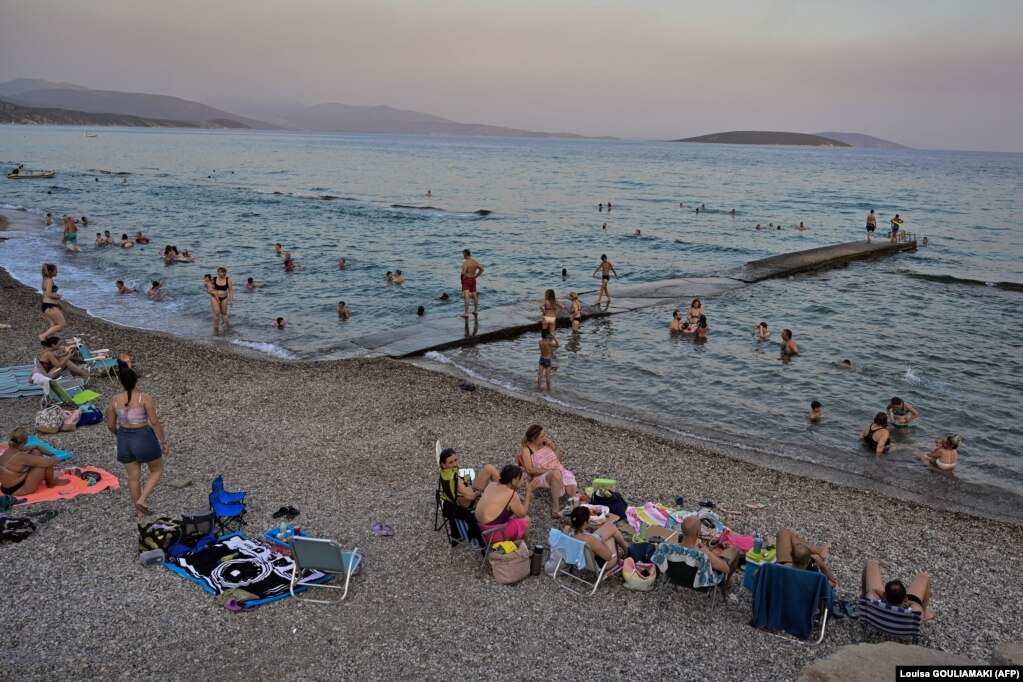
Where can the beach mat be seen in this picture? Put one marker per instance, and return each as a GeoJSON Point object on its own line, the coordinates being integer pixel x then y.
{"type": "Point", "coordinates": [74, 487]}
{"type": "Point", "coordinates": [235, 562]}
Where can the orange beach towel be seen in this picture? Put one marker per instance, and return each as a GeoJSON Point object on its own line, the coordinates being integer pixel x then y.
{"type": "Point", "coordinates": [74, 487]}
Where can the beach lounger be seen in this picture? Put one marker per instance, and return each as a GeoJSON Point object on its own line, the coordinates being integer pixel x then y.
{"type": "Point", "coordinates": [792, 600]}
{"type": "Point", "coordinates": [575, 559]}
{"type": "Point", "coordinates": [73, 397]}
{"type": "Point", "coordinates": [891, 620]}
{"type": "Point", "coordinates": [326, 556]}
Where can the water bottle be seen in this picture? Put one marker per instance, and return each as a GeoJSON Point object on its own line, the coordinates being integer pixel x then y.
{"type": "Point", "coordinates": [758, 544]}
{"type": "Point", "coordinates": [536, 561]}
{"type": "Point", "coordinates": [282, 530]}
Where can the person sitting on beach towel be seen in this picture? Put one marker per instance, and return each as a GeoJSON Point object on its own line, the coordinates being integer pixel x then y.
{"type": "Point", "coordinates": [501, 505]}
{"type": "Point", "coordinates": [798, 553]}
{"type": "Point", "coordinates": [22, 469]}
{"type": "Point", "coordinates": [541, 460]}
{"type": "Point", "coordinates": [454, 488]}
{"type": "Point", "coordinates": [915, 597]}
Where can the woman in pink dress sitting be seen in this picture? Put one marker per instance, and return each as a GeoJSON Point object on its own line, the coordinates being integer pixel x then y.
{"type": "Point", "coordinates": [542, 461]}
{"type": "Point", "coordinates": [500, 504]}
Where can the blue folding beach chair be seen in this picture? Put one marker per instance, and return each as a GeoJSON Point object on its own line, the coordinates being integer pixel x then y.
{"type": "Point", "coordinates": [228, 507]}
{"type": "Point", "coordinates": [100, 366]}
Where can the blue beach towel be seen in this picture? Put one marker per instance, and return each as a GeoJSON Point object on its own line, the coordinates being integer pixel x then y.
{"type": "Point", "coordinates": [59, 454]}
{"type": "Point", "coordinates": [786, 598]}
{"type": "Point", "coordinates": [573, 550]}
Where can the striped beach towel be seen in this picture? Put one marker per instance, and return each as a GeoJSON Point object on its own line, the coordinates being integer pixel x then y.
{"type": "Point", "coordinates": [892, 620]}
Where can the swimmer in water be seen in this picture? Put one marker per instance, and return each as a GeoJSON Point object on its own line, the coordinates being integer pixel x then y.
{"type": "Point", "coordinates": [141, 238]}
{"type": "Point", "coordinates": [49, 219]}
{"type": "Point", "coordinates": [845, 364]}
{"type": "Point", "coordinates": [342, 263]}
{"type": "Point", "coordinates": [733, 211]}
{"type": "Point", "coordinates": [443, 297]}
{"type": "Point", "coordinates": [816, 411]}
{"type": "Point", "coordinates": [342, 310]}
{"type": "Point", "coordinates": [676, 323]}
{"type": "Point", "coordinates": [99, 240]}
{"type": "Point", "coordinates": [605, 226]}
{"type": "Point", "coordinates": [695, 310]}
{"type": "Point", "coordinates": [289, 264]}
{"type": "Point", "coordinates": [421, 311]}
{"type": "Point", "coordinates": [155, 290]}
{"type": "Point", "coordinates": [564, 273]}
{"type": "Point", "coordinates": [429, 192]}
{"type": "Point", "coordinates": [788, 346]}
{"type": "Point", "coordinates": [279, 323]}
{"type": "Point", "coordinates": [123, 289]}
{"type": "Point", "coordinates": [278, 249]}
{"type": "Point", "coordinates": [900, 412]}
{"type": "Point", "coordinates": [125, 242]}
{"type": "Point", "coordinates": [802, 227]}
{"type": "Point", "coordinates": [925, 242]}
{"type": "Point", "coordinates": [875, 435]}
{"type": "Point", "coordinates": [389, 277]}
{"type": "Point", "coordinates": [107, 238]}
{"type": "Point", "coordinates": [638, 233]}
{"type": "Point", "coordinates": [250, 284]}
{"type": "Point", "coordinates": [758, 226]}
{"type": "Point", "coordinates": [398, 277]}
{"type": "Point", "coordinates": [761, 332]}
{"type": "Point", "coordinates": [944, 454]}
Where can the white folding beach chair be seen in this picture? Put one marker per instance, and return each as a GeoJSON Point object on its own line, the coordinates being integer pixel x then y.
{"type": "Point", "coordinates": [326, 556]}
{"type": "Point", "coordinates": [564, 568]}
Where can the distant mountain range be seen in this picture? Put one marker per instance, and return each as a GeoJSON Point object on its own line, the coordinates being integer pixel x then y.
{"type": "Point", "coordinates": [32, 93]}
{"type": "Point", "coordinates": [768, 137]}
{"type": "Point", "coordinates": [12, 113]}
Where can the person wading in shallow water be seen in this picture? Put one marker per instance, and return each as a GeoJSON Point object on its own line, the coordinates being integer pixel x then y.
{"type": "Point", "coordinates": [471, 269]}
{"type": "Point", "coordinates": [605, 268]}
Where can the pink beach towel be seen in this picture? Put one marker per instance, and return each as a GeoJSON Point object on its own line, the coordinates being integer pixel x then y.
{"type": "Point", "coordinates": [74, 487]}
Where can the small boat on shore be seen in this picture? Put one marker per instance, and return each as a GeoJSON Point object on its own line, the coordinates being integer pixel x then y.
{"type": "Point", "coordinates": [18, 175]}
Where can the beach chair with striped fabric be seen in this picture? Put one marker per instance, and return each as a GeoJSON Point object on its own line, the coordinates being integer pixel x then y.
{"type": "Point", "coordinates": [891, 620]}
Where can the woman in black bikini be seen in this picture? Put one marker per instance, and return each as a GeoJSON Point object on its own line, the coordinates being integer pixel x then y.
{"type": "Point", "coordinates": [22, 469]}
{"type": "Point", "coordinates": [875, 434]}
{"type": "Point", "coordinates": [221, 297]}
{"type": "Point", "coordinates": [51, 302]}
{"type": "Point", "coordinates": [575, 313]}
{"type": "Point", "coordinates": [54, 360]}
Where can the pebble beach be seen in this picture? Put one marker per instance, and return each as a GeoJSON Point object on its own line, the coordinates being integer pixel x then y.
{"type": "Point", "coordinates": [351, 443]}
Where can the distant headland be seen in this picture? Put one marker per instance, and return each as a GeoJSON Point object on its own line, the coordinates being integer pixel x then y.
{"type": "Point", "coordinates": [768, 137]}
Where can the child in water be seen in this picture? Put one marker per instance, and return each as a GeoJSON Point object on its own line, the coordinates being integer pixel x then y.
{"type": "Point", "coordinates": [547, 345]}
{"type": "Point", "coordinates": [342, 310]}
{"type": "Point", "coordinates": [816, 411]}
{"type": "Point", "coordinates": [279, 323]}
{"type": "Point", "coordinates": [945, 453]}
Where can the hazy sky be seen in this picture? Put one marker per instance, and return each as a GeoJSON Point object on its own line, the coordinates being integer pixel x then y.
{"type": "Point", "coordinates": [943, 74]}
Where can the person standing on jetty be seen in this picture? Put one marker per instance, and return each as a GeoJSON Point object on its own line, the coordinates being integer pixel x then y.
{"type": "Point", "coordinates": [871, 225]}
{"type": "Point", "coordinates": [606, 268]}
{"type": "Point", "coordinates": [471, 269]}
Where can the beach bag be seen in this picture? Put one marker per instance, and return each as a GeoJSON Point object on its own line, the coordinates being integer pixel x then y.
{"type": "Point", "coordinates": [638, 577]}
{"type": "Point", "coordinates": [510, 568]}
{"type": "Point", "coordinates": [159, 534]}
{"type": "Point", "coordinates": [15, 528]}
{"type": "Point", "coordinates": [640, 552]}
{"type": "Point", "coordinates": [50, 419]}
{"type": "Point", "coordinates": [90, 415]}
{"type": "Point", "coordinates": [613, 501]}
{"type": "Point", "coordinates": [71, 418]}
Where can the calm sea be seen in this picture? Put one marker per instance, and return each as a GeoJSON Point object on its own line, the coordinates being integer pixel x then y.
{"type": "Point", "coordinates": [939, 328]}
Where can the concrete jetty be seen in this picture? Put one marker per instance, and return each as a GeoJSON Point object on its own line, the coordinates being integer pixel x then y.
{"type": "Point", "coordinates": [509, 321]}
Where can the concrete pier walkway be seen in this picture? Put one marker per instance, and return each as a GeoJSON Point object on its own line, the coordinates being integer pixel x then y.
{"type": "Point", "coordinates": [508, 321]}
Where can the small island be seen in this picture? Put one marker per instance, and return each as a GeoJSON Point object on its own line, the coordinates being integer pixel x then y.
{"type": "Point", "coordinates": [767, 137]}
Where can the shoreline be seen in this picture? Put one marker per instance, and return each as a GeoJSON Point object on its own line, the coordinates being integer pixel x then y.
{"type": "Point", "coordinates": [745, 453]}
{"type": "Point", "coordinates": [350, 443]}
